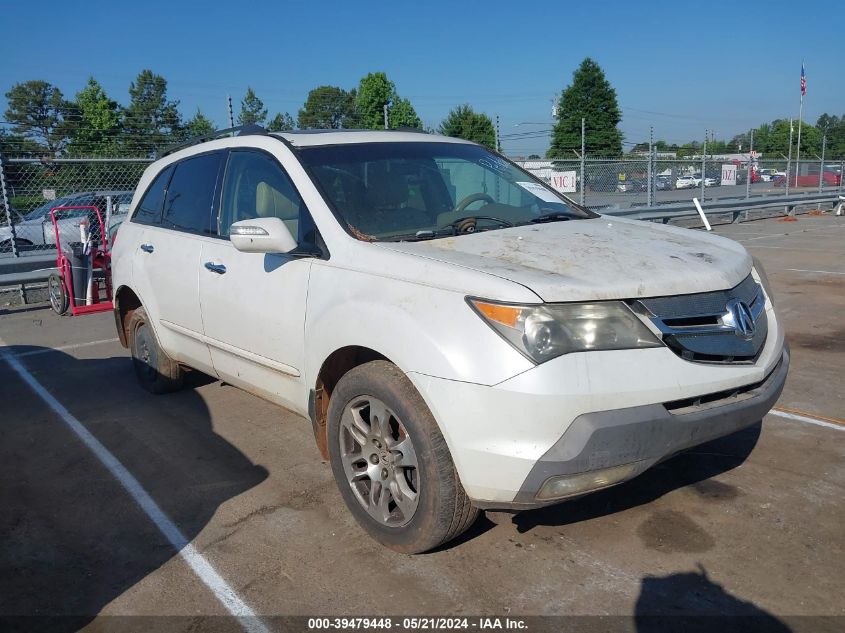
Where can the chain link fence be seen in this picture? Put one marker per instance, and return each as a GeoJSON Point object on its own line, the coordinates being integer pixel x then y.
{"type": "Point", "coordinates": [32, 187]}
{"type": "Point", "coordinates": [621, 183]}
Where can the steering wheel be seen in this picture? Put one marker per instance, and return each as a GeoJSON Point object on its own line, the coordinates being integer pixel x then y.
{"type": "Point", "coordinates": [467, 224]}
{"type": "Point", "coordinates": [473, 197]}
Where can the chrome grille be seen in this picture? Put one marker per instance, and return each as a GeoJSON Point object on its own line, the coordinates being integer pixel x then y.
{"type": "Point", "coordinates": [725, 326]}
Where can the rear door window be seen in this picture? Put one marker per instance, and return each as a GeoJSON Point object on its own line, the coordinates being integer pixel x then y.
{"type": "Point", "coordinates": [149, 209]}
{"type": "Point", "coordinates": [190, 195]}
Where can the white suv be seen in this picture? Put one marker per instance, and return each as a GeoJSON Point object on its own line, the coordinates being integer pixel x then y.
{"type": "Point", "coordinates": [461, 336]}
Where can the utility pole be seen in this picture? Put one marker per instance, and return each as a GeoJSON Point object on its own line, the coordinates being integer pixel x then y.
{"type": "Point", "coordinates": [650, 165]}
{"type": "Point", "coordinates": [800, 117]}
{"type": "Point", "coordinates": [703, 164]}
{"type": "Point", "coordinates": [583, 154]}
{"type": "Point", "coordinates": [386, 122]}
{"type": "Point", "coordinates": [821, 165]}
{"type": "Point", "coordinates": [789, 159]}
{"type": "Point", "coordinates": [498, 135]}
{"type": "Point", "coordinates": [748, 179]}
{"type": "Point", "coordinates": [231, 114]}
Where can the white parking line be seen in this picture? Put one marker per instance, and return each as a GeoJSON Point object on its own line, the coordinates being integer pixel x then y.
{"type": "Point", "coordinates": [808, 420]}
{"type": "Point", "coordinates": [819, 272]}
{"type": "Point", "coordinates": [63, 348]}
{"type": "Point", "coordinates": [227, 596]}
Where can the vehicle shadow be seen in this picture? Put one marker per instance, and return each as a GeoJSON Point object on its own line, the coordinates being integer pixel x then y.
{"type": "Point", "coordinates": [692, 603]}
{"type": "Point", "coordinates": [693, 467]}
{"type": "Point", "coordinates": [72, 538]}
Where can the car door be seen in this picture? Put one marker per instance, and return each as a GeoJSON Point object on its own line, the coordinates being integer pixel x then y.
{"type": "Point", "coordinates": [253, 304]}
{"type": "Point", "coordinates": [167, 265]}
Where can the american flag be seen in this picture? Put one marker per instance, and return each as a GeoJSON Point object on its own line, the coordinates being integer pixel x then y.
{"type": "Point", "coordinates": [803, 81]}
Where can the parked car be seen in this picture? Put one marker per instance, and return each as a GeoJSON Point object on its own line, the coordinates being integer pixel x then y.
{"type": "Point", "coordinates": [638, 185]}
{"type": "Point", "coordinates": [686, 182]}
{"type": "Point", "coordinates": [603, 182]}
{"type": "Point", "coordinates": [711, 181]}
{"type": "Point", "coordinates": [461, 336]}
{"type": "Point", "coordinates": [664, 183]}
{"type": "Point", "coordinates": [830, 178]}
{"type": "Point", "coordinates": [35, 228]}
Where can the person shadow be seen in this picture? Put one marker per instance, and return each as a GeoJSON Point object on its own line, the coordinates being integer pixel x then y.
{"type": "Point", "coordinates": [692, 603]}
{"type": "Point", "coordinates": [72, 540]}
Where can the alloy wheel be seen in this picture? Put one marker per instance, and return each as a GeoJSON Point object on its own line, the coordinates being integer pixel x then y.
{"type": "Point", "coordinates": [379, 461]}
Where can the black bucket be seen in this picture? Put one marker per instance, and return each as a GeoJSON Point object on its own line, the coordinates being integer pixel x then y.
{"type": "Point", "coordinates": [79, 272]}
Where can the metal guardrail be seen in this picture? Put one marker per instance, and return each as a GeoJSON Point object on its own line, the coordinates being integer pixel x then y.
{"type": "Point", "coordinates": [736, 206]}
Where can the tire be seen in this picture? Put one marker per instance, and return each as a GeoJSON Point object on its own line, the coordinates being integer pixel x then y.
{"type": "Point", "coordinates": [422, 503]}
{"type": "Point", "coordinates": [156, 371]}
{"type": "Point", "coordinates": [59, 300]}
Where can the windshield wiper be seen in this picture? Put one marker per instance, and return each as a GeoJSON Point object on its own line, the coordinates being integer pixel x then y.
{"type": "Point", "coordinates": [552, 216]}
{"type": "Point", "coordinates": [419, 236]}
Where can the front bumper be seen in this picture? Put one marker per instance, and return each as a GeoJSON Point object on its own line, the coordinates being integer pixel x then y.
{"type": "Point", "coordinates": [640, 437]}
{"type": "Point", "coordinates": [506, 439]}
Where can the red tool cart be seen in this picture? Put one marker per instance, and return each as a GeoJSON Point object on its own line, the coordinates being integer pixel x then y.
{"type": "Point", "coordinates": [82, 282]}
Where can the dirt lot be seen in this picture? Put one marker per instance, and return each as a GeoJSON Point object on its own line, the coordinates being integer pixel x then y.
{"type": "Point", "coordinates": [747, 525]}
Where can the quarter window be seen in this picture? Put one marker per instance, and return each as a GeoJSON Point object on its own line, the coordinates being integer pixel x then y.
{"type": "Point", "coordinates": [149, 209]}
{"type": "Point", "coordinates": [188, 206]}
{"type": "Point", "coordinates": [256, 186]}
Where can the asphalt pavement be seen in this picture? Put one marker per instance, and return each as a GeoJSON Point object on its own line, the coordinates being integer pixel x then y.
{"type": "Point", "coordinates": [748, 525]}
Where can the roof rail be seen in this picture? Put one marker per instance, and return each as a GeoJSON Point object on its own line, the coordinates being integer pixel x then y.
{"type": "Point", "coordinates": [242, 130]}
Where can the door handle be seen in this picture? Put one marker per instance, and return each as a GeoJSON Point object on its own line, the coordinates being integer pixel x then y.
{"type": "Point", "coordinates": [147, 248]}
{"type": "Point", "coordinates": [215, 268]}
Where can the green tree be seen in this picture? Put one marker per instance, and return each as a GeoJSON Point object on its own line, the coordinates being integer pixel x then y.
{"type": "Point", "coordinates": [328, 107]}
{"type": "Point", "coordinates": [97, 123]}
{"type": "Point", "coordinates": [282, 122]}
{"type": "Point", "coordinates": [37, 111]}
{"type": "Point", "coordinates": [199, 125]}
{"type": "Point", "coordinates": [151, 120]}
{"type": "Point", "coordinates": [834, 128]}
{"type": "Point", "coordinates": [12, 145]}
{"type": "Point", "coordinates": [376, 91]}
{"type": "Point", "coordinates": [686, 150]}
{"type": "Point", "coordinates": [772, 139]}
{"type": "Point", "coordinates": [464, 122]}
{"type": "Point", "coordinates": [402, 114]}
{"type": "Point", "coordinates": [589, 96]}
{"type": "Point", "coordinates": [252, 109]}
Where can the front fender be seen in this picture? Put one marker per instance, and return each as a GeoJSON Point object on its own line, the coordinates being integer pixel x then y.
{"type": "Point", "coordinates": [420, 328]}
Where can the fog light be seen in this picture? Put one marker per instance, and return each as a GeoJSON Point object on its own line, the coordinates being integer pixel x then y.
{"type": "Point", "coordinates": [569, 485]}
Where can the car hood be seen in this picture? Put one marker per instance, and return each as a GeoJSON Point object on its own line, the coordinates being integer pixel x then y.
{"type": "Point", "coordinates": [601, 258]}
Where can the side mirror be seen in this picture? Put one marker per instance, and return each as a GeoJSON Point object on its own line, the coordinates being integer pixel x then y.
{"type": "Point", "coordinates": [262, 235]}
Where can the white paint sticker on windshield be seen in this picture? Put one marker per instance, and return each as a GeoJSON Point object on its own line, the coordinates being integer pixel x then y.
{"type": "Point", "coordinates": [540, 191]}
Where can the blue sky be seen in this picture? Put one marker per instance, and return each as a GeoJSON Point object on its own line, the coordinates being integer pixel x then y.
{"type": "Point", "coordinates": [681, 67]}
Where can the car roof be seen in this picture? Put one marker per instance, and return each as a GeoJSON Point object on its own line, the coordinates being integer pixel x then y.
{"type": "Point", "coordinates": [311, 138]}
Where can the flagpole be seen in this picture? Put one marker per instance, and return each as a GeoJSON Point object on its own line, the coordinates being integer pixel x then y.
{"type": "Point", "coordinates": [800, 116]}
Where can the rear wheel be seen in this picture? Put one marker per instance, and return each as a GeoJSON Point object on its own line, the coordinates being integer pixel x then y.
{"type": "Point", "coordinates": [391, 462]}
{"type": "Point", "coordinates": [156, 371]}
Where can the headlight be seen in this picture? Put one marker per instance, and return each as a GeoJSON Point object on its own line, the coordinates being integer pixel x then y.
{"type": "Point", "coordinates": [760, 274]}
{"type": "Point", "coordinates": [546, 331]}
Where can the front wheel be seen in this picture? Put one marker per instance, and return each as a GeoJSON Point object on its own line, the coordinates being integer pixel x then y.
{"type": "Point", "coordinates": [391, 462]}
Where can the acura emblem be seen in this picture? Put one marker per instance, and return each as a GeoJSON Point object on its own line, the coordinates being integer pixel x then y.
{"type": "Point", "coordinates": [740, 314]}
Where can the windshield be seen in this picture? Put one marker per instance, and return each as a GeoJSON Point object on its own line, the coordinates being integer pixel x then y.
{"type": "Point", "coordinates": [43, 212]}
{"type": "Point", "coordinates": [390, 191]}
